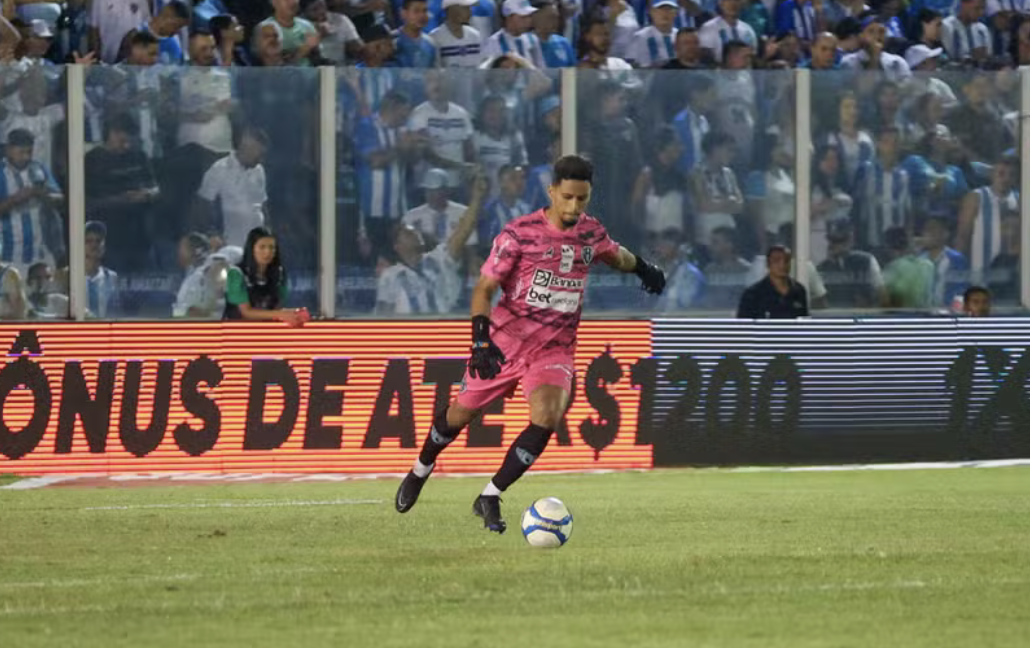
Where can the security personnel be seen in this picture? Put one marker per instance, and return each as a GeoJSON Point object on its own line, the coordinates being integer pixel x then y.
{"type": "Point", "coordinates": [777, 296]}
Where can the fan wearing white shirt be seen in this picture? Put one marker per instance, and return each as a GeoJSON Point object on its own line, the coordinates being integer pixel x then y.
{"type": "Point", "coordinates": [427, 282]}
{"type": "Point", "coordinates": [624, 24]}
{"type": "Point", "coordinates": [872, 56]}
{"type": "Point", "coordinates": [656, 44]}
{"type": "Point", "coordinates": [457, 44]}
{"type": "Point", "coordinates": [447, 125]}
{"type": "Point", "coordinates": [963, 35]}
{"type": "Point", "coordinates": [728, 27]}
{"type": "Point", "coordinates": [341, 43]}
{"type": "Point", "coordinates": [437, 218]}
{"type": "Point", "coordinates": [597, 39]}
{"type": "Point", "coordinates": [233, 189]}
{"type": "Point", "coordinates": [516, 36]}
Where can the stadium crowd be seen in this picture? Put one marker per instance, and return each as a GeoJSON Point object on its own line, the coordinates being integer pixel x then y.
{"type": "Point", "coordinates": [448, 117]}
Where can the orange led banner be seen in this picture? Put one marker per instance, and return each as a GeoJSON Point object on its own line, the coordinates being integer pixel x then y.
{"type": "Point", "coordinates": [330, 397]}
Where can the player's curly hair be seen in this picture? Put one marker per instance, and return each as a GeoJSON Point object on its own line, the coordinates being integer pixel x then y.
{"type": "Point", "coordinates": [572, 167]}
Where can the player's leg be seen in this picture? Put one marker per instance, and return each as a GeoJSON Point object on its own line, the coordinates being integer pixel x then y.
{"type": "Point", "coordinates": [548, 384]}
{"type": "Point", "coordinates": [475, 394]}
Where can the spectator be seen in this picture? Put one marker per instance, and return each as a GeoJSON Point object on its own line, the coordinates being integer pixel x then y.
{"type": "Point", "coordinates": [12, 295]}
{"type": "Point", "coordinates": [594, 49]}
{"type": "Point", "coordinates": [539, 178]}
{"type": "Point", "coordinates": [926, 113]}
{"type": "Point", "coordinates": [340, 41]}
{"type": "Point", "coordinates": [194, 298]}
{"type": "Point", "coordinates": [37, 39]}
{"type": "Point", "coordinates": [232, 194]}
{"type": "Point", "coordinates": [384, 149]}
{"type": "Point", "coordinates": [951, 268]}
{"type": "Point", "coordinates": [804, 18]}
{"type": "Point", "coordinates": [726, 273]}
{"type": "Point", "coordinates": [427, 283]}
{"type": "Point", "coordinates": [43, 300]}
{"type": "Point", "coordinates": [1000, 21]}
{"type": "Point", "coordinates": [963, 35]}
{"type": "Point", "coordinates": [267, 45]}
{"type": "Point", "coordinates": [165, 26]}
{"type": "Point", "coordinates": [872, 56]}
{"type": "Point", "coordinates": [29, 196]}
{"type": "Point", "coordinates": [516, 35]}
{"type": "Point", "coordinates": [756, 14]}
{"type": "Point", "coordinates": [1003, 278]}
{"type": "Point", "coordinates": [299, 37]}
{"type": "Point", "coordinates": [506, 207]}
{"type": "Point", "coordinates": [852, 277]}
{"type": "Point", "coordinates": [692, 15]}
{"type": "Point", "coordinates": [556, 49]}
{"type": "Point", "coordinates": [661, 188]}
{"type": "Point", "coordinates": [829, 200]}
{"type": "Point", "coordinates": [777, 296]}
{"type": "Point", "coordinates": [823, 53]}
{"type": "Point", "coordinates": [928, 29]}
{"type": "Point", "coordinates": [121, 192]}
{"type": "Point", "coordinates": [110, 21]}
{"type": "Point", "coordinates": [854, 146]}
{"type": "Point", "coordinates": [229, 41]}
{"type": "Point", "coordinates": [497, 144]}
{"type": "Point", "coordinates": [770, 196]}
{"type": "Point", "coordinates": [457, 44]}
{"type": "Point", "coordinates": [936, 184]}
{"type": "Point", "coordinates": [691, 124]}
{"type": "Point", "coordinates": [924, 59]}
{"type": "Point", "coordinates": [205, 105]}
{"type": "Point", "coordinates": [885, 110]}
{"type": "Point", "coordinates": [36, 117]}
{"type": "Point", "coordinates": [784, 52]}
{"type": "Point", "coordinates": [907, 277]}
{"type": "Point", "coordinates": [1021, 48]}
{"type": "Point", "coordinates": [415, 49]}
{"type": "Point", "coordinates": [979, 128]}
{"type": "Point", "coordinates": [716, 193]}
{"type": "Point", "coordinates": [686, 284]}
{"type": "Point", "coordinates": [446, 126]}
{"type": "Point", "coordinates": [882, 190]}
{"type": "Point", "coordinates": [976, 302]}
{"type": "Point", "coordinates": [849, 36]}
{"type": "Point", "coordinates": [654, 45]}
{"type": "Point", "coordinates": [727, 27]}
{"type": "Point", "coordinates": [979, 220]}
{"type": "Point", "coordinates": [624, 23]}
{"type": "Point", "coordinates": [102, 291]}
{"type": "Point", "coordinates": [688, 51]}
{"type": "Point", "coordinates": [549, 120]}
{"type": "Point", "coordinates": [737, 101]}
{"type": "Point", "coordinates": [256, 289]}
{"type": "Point", "coordinates": [437, 218]}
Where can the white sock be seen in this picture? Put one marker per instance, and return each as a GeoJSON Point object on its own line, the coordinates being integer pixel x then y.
{"type": "Point", "coordinates": [491, 490]}
{"type": "Point", "coordinates": [422, 470]}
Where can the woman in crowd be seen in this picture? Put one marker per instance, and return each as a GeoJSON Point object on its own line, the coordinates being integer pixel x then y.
{"type": "Point", "coordinates": [256, 288]}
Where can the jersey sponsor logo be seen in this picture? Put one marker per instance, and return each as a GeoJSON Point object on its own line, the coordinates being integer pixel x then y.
{"type": "Point", "coordinates": [547, 279]}
{"type": "Point", "coordinates": [588, 254]}
{"type": "Point", "coordinates": [568, 255]}
{"type": "Point", "coordinates": [563, 302]}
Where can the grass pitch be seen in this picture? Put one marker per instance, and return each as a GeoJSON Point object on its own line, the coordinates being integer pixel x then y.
{"type": "Point", "coordinates": [686, 558]}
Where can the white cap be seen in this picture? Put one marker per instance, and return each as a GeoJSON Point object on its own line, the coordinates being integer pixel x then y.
{"type": "Point", "coordinates": [41, 29]}
{"type": "Point", "coordinates": [458, 3]}
{"type": "Point", "coordinates": [517, 8]}
{"type": "Point", "coordinates": [666, 3]}
{"type": "Point", "coordinates": [919, 54]}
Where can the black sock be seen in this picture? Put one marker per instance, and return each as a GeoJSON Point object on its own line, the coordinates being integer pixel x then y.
{"type": "Point", "coordinates": [523, 452]}
{"type": "Point", "coordinates": [440, 436]}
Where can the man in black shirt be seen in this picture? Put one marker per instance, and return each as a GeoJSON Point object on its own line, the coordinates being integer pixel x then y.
{"type": "Point", "coordinates": [120, 192]}
{"type": "Point", "coordinates": [688, 51]}
{"type": "Point", "coordinates": [853, 278]}
{"type": "Point", "coordinates": [777, 296]}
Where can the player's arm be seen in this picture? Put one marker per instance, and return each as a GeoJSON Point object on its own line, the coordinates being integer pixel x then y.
{"type": "Point", "coordinates": [651, 276]}
{"type": "Point", "coordinates": [467, 224]}
{"type": "Point", "coordinates": [487, 358]}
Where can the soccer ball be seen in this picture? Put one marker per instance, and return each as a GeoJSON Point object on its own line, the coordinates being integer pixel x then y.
{"type": "Point", "coordinates": [547, 523]}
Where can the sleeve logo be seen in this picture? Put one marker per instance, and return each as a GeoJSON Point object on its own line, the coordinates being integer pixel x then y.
{"type": "Point", "coordinates": [588, 254]}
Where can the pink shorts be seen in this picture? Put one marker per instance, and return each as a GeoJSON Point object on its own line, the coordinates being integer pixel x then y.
{"type": "Point", "coordinates": [547, 369]}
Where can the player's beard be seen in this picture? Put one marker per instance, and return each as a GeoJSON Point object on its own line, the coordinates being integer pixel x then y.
{"type": "Point", "coordinates": [570, 219]}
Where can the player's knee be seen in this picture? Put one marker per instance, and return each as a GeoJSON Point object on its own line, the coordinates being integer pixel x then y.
{"type": "Point", "coordinates": [547, 418]}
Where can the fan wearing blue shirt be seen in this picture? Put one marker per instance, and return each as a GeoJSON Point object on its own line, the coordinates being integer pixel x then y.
{"type": "Point", "coordinates": [414, 48]}
{"type": "Point", "coordinates": [557, 49]}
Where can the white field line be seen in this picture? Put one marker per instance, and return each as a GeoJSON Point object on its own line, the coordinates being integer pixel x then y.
{"type": "Point", "coordinates": [236, 504]}
{"type": "Point", "coordinates": [164, 578]}
{"type": "Point", "coordinates": [41, 482]}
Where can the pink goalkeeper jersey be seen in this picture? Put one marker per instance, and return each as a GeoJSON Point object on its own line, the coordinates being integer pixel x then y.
{"type": "Point", "coordinates": [543, 272]}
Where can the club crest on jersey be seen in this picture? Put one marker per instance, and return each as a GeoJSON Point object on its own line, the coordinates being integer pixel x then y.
{"type": "Point", "coordinates": [568, 255]}
{"type": "Point", "coordinates": [549, 254]}
{"type": "Point", "coordinates": [588, 254]}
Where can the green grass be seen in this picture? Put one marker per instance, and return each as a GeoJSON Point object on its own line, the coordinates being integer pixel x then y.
{"type": "Point", "coordinates": [688, 558]}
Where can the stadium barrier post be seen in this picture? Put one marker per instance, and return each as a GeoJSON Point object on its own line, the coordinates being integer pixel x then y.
{"type": "Point", "coordinates": [1024, 187]}
{"type": "Point", "coordinates": [802, 173]}
{"type": "Point", "coordinates": [75, 78]}
{"type": "Point", "coordinates": [327, 192]}
{"type": "Point", "coordinates": [568, 111]}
